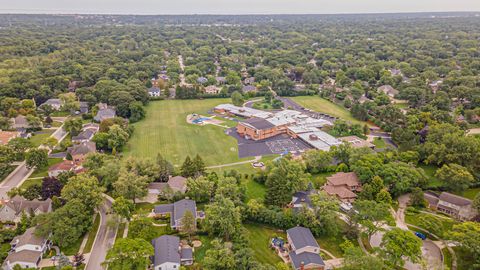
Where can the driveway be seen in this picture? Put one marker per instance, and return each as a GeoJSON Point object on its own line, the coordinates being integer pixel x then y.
{"type": "Point", "coordinates": [104, 240]}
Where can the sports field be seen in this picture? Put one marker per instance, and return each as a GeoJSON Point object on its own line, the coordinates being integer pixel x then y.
{"type": "Point", "coordinates": [319, 104]}
{"type": "Point", "coordinates": [165, 130]}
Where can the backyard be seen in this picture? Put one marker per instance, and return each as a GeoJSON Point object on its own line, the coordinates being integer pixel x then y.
{"type": "Point", "coordinates": [321, 105]}
{"type": "Point", "coordinates": [166, 131]}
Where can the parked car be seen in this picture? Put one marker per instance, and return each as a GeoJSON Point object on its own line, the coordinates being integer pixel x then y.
{"type": "Point", "coordinates": [421, 235]}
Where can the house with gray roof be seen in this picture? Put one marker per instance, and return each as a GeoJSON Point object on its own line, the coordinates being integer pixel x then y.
{"type": "Point", "coordinates": [26, 250]}
{"type": "Point", "coordinates": [301, 199]}
{"type": "Point", "coordinates": [80, 151]}
{"type": "Point", "coordinates": [154, 92]}
{"type": "Point", "coordinates": [170, 254]}
{"type": "Point", "coordinates": [175, 183]}
{"type": "Point", "coordinates": [452, 205]}
{"type": "Point", "coordinates": [84, 136]}
{"type": "Point", "coordinates": [55, 103]}
{"type": "Point", "coordinates": [304, 249]}
{"type": "Point", "coordinates": [13, 209]}
{"type": "Point", "coordinates": [83, 107]}
{"type": "Point", "coordinates": [202, 80]}
{"type": "Point", "coordinates": [177, 211]}
{"type": "Point", "coordinates": [104, 112]}
{"type": "Point", "coordinates": [249, 88]}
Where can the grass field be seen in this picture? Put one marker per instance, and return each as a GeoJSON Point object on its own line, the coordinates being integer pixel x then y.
{"type": "Point", "coordinates": [430, 170]}
{"type": "Point", "coordinates": [379, 143]}
{"type": "Point", "coordinates": [92, 234]}
{"type": "Point", "coordinates": [260, 237]}
{"type": "Point", "coordinates": [469, 193]}
{"type": "Point", "coordinates": [42, 172]}
{"type": "Point", "coordinates": [319, 104]}
{"type": "Point", "coordinates": [166, 131]}
{"type": "Point", "coordinates": [38, 139]}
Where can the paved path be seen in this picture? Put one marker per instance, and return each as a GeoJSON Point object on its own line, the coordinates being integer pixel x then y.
{"type": "Point", "coordinates": [236, 163]}
{"type": "Point", "coordinates": [104, 240]}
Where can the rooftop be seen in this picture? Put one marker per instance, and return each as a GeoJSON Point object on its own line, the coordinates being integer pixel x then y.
{"type": "Point", "coordinates": [166, 249]}
{"type": "Point", "coordinates": [6, 136]}
{"type": "Point", "coordinates": [319, 140]}
{"type": "Point", "coordinates": [302, 237]}
{"type": "Point", "coordinates": [356, 142]}
{"type": "Point", "coordinates": [454, 199]}
{"type": "Point", "coordinates": [258, 123]}
{"type": "Point", "coordinates": [349, 179]}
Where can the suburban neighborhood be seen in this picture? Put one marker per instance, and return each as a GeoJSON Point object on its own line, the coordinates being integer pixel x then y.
{"type": "Point", "coordinates": [266, 142]}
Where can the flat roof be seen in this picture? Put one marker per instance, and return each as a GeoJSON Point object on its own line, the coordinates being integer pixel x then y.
{"type": "Point", "coordinates": [243, 111]}
{"type": "Point", "coordinates": [319, 140]}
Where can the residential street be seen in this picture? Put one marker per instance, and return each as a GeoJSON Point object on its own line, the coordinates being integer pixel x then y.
{"type": "Point", "coordinates": [14, 180]}
{"type": "Point", "coordinates": [104, 240]}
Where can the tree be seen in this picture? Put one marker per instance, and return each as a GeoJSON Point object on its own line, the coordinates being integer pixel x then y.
{"type": "Point", "coordinates": [166, 168]}
{"type": "Point", "coordinates": [432, 224]}
{"type": "Point", "coordinates": [417, 198]}
{"type": "Point", "coordinates": [199, 165]}
{"type": "Point", "coordinates": [455, 177]}
{"type": "Point", "coordinates": [19, 146]}
{"type": "Point", "coordinates": [370, 215]}
{"type": "Point", "coordinates": [36, 158]}
{"type": "Point", "coordinates": [69, 102]}
{"type": "Point", "coordinates": [237, 99]}
{"type": "Point", "coordinates": [85, 189]}
{"type": "Point", "coordinates": [200, 189]}
{"type": "Point", "coordinates": [50, 142]}
{"type": "Point", "coordinates": [34, 122]}
{"type": "Point", "coordinates": [123, 207]}
{"type": "Point", "coordinates": [129, 254]}
{"type": "Point", "coordinates": [342, 152]}
{"type": "Point", "coordinates": [476, 202]}
{"type": "Point", "coordinates": [188, 223]}
{"type": "Point", "coordinates": [142, 228]}
{"type": "Point", "coordinates": [51, 187]}
{"type": "Point", "coordinates": [117, 138]}
{"type": "Point", "coordinates": [65, 225]}
{"type": "Point", "coordinates": [356, 259]}
{"type": "Point", "coordinates": [63, 261]}
{"type": "Point", "coordinates": [284, 178]}
{"type": "Point", "coordinates": [317, 161]}
{"type": "Point", "coordinates": [384, 197]}
{"type": "Point", "coordinates": [78, 259]}
{"type": "Point", "coordinates": [467, 234]}
{"type": "Point", "coordinates": [219, 257]}
{"type": "Point", "coordinates": [73, 126]}
{"type": "Point", "coordinates": [188, 168]}
{"type": "Point", "coordinates": [130, 185]}
{"type": "Point", "coordinates": [137, 112]}
{"type": "Point", "coordinates": [398, 244]}
{"type": "Point", "coordinates": [222, 218]}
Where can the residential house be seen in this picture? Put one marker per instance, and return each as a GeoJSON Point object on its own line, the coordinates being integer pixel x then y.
{"type": "Point", "coordinates": [301, 199]}
{"type": "Point", "coordinates": [305, 251]}
{"type": "Point", "coordinates": [27, 250]}
{"type": "Point", "coordinates": [104, 112]}
{"type": "Point", "coordinates": [6, 136]}
{"type": "Point", "coordinates": [13, 209]}
{"type": "Point", "coordinates": [343, 186]}
{"type": "Point", "coordinates": [154, 91]}
{"type": "Point", "coordinates": [212, 90]}
{"type": "Point", "coordinates": [80, 151]}
{"type": "Point", "coordinates": [356, 142]}
{"type": "Point", "coordinates": [452, 205]}
{"type": "Point", "coordinates": [84, 136]}
{"type": "Point", "coordinates": [221, 80]}
{"type": "Point", "coordinates": [249, 88]}
{"type": "Point", "coordinates": [170, 254]}
{"type": "Point", "coordinates": [83, 107]}
{"type": "Point", "coordinates": [388, 90]}
{"type": "Point", "coordinates": [64, 166]}
{"type": "Point", "coordinates": [249, 80]}
{"type": "Point", "coordinates": [20, 123]}
{"type": "Point", "coordinates": [177, 210]}
{"type": "Point", "coordinates": [202, 80]}
{"type": "Point", "coordinates": [176, 184]}
{"type": "Point", "coordinates": [55, 103]}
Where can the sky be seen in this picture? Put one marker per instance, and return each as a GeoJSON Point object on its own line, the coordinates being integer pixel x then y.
{"type": "Point", "coordinates": [161, 7]}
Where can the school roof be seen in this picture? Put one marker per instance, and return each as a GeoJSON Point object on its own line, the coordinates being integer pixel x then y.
{"type": "Point", "coordinates": [319, 140]}
{"type": "Point", "coordinates": [258, 123]}
{"type": "Point", "coordinates": [302, 237]}
{"type": "Point", "coordinates": [243, 111]}
{"type": "Point", "coordinates": [166, 249]}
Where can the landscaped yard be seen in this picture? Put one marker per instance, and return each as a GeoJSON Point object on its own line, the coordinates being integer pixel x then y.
{"type": "Point", "coordinates": [166, 131]}
{"type": "Point", "coordinates": [446, 223]}
{"type": "Point", "coordinates": [260, 237]}
{"type": "Point", "coordinates": [319, 104]}
{"type": "Point", "coordinates": [255, 190]}
{"type": "Point", "coordinates": [39, 139]}
{"type": "Point", "coordinates": [379, 143]}
{"type": "Point", "coordinates": [42, 172]}
{"type": "Point", "coordinates": [430, 170]}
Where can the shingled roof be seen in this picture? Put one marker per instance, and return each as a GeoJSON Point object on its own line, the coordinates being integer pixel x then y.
{"type": "Point", "coordinates": [20, 204]}
{"type": "Point", "coordinates": [166, 249]}
{"type": "Point", "coordinates": [454, 199]}
{"type": "Point", "coordinates": [302, 237]}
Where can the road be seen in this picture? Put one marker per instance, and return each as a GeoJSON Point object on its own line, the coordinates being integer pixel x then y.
{"type": "Point", "coordinates": [21, 173]}
{"type": "Point", "coordinates": [104, 240]}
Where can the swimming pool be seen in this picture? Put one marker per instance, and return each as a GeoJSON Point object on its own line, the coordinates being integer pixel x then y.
{"type": "Point", "coordinates": [200, 120]}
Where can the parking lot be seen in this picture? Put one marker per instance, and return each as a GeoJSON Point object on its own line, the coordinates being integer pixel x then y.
{"type": "Point", "coordinates": [275, 145]}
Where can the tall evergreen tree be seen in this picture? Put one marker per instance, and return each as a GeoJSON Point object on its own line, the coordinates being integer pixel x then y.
{"type": "Point", "coordinates": [188, 167]}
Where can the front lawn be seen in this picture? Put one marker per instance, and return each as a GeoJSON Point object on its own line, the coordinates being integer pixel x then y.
{"type": "Point", "coordinates": [92, 234]}
{"type": "Point", "coordinates": [39, 139]}
{"type": "Point", "coordinates": [379, 143]}
{"type": "Point", "coordinates": [143, 208]}
{"type": "Point", "coordinates": [446, 223]}
{"type": "Point", "coordinates": [260, 237]}
{"type": "Point", "coordinates": [321, 105]}
{"type": "Point", "coordinates": [42, 172]}
{"type": "Point", "coordinates": [166, 131]}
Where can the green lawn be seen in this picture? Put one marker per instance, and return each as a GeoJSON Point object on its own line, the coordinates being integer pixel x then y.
{"type": "Point", "coordinates": [31, 182]}
{"type": "Point", "coordinates": [320, 179]}
{"type": "Point", "coordinates": [92, 234]}
{"type": "Point", "coordinates": [120, 230]}
{"type": "Point", "coordinates": [430, 170]}
{"type": "Point", "coordinates": [42, 172]}
{"type": "Point", "coordinates": [379, 143]}
{"type": "Point", "coordinates": [72, 249]}
{"type": "Point", "coordinates": [319, 104]}
{"type": "Point", "coordinates": [260, 237]}
{"type": "Point", "coordinates": [200, 251]}
{"type": "Point", "coordinates": [469, 193]}
{"type": "Point", "coordinates": [414, 219]}
{"type": "Point", "coordinates": [255, 190]}
{"type": "Point", "coordinates": [143, 208]}
{"type": "Point", "coordinates": [38, 139]}
{"type": "Point", "coordinates": [166, 131]}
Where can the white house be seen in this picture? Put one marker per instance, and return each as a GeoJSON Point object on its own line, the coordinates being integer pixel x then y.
{"type": "Point", "coordinates": [27, 250]}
